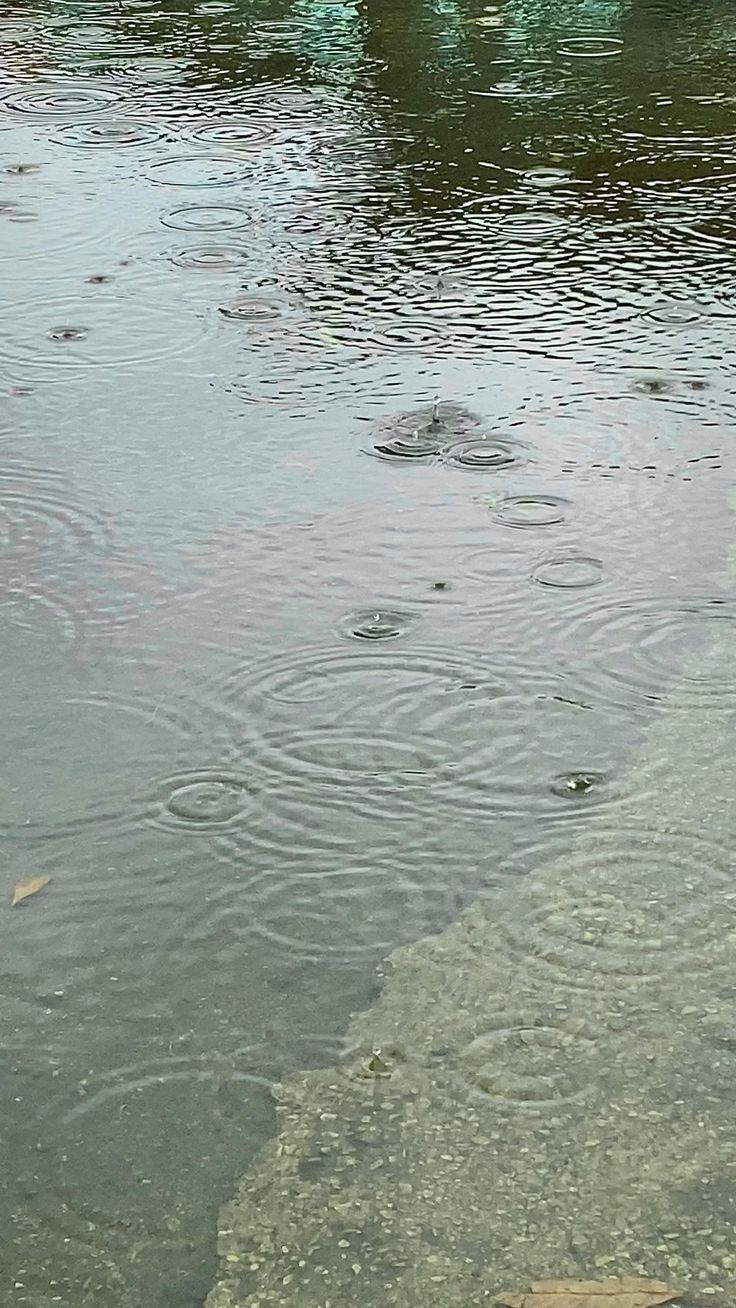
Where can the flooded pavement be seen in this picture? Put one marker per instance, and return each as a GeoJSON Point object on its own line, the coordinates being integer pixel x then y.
{"type": "Point", "coordinates": [542, 1089]}
{"type": "Point", "coordinates": [367, 389]}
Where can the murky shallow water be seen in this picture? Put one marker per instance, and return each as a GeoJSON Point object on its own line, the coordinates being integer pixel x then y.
{"type": "Point", "coordinates": [274, 706]}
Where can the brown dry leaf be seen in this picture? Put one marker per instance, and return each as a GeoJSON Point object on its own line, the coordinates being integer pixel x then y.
{"type": "Point", "coordinates": [617, 1292]}
{"type": "Point", "coordinates": [25, 889]}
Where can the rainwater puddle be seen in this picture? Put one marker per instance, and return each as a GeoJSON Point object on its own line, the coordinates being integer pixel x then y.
{"type": "Point", "coordinates": [275, 710]}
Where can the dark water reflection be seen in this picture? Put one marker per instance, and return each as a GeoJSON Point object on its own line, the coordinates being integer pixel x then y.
{"type": "Point", "coordinates": [273, 707]}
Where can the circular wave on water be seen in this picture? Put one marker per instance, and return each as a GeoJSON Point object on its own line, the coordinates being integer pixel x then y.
{"type": "Point", "coordinates": [568, 572]}
{"type": "Point", "coordinates": [251, 309]}
{"type": "Point", "coordinates": [590, 46]}
{"type": "Point", "coordinates": [369, 771]}
{"type": "Point", "coordinates": [546, 178]}
{"type": "Point", "coordinates": [49, 339]}
{"type": "Point", "coordinates": [201, 801]}
{"type": "Point", "coordinates": [108, 133]}
{"type": "Point", "coordinates": [531, 511]}
{"type": "Point", "coordinates": [485, 454]}
{"type": "Point", "coordinates": [498, 578]}
{"type": "Point", "coordinates": [98, 1109]}
{"type": "Point", "coordinates": [231, 134]}
{"type": "Point", "coordinates": [38, 506]}
{"type": "Point", "coordinates": [314, 675]}
{"type": "Point", "coordinates": [208, 218]}
{"type": "Point", "coordinates": [212, 258]}
{"type": "Point", "coordinates": [340, 915]}
{"type": "Point", "coordinates": [45, 260]}
{"type": "Point", "coordinates": [641, 651]}
{"type": "Point", "coordinates": [104, 764]}
{"type": "Point", "coordinates": [626, 908]}
{"type": "Point", "coordinates": [99, 36]}
{"type": "Point", "coordinates": [674, 313]}
{"type": "Point", "coordinates": [406, 335]}
{"type": "Point", "coordinates": [62, 100]}
{"type": "Point", "coordinates": [199, 171]}
{"type": "Point", "coordinates": [387, 732]}
{"type": "Point", "coordinates": [152, 70]}
{"type": "Point", "coordinates": [100, 1091]}
{"type": "Point", "coordinates": [534, 1058]}
{"type": "Point", "coordinates": [23, 604]}
{"type": "Point", "coordinates": [534, 225]}
{"type": "Point", "coordinates": [412, 448]}
{"type": "Point", "coordinates": [345, 322]}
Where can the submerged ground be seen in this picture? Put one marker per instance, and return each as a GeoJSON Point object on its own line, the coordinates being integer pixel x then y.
{"type": "Point", "coordinates": [367, 390]}
{"type": "Point", "coordinates": [543, 1101]}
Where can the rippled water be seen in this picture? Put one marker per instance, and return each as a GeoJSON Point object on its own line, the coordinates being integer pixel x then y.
{"type": "Point", "coordinates": [274, 707]}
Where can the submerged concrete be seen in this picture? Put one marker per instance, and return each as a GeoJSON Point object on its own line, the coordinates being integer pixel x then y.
{"type": "Point", "coordinates": [544, 1089]}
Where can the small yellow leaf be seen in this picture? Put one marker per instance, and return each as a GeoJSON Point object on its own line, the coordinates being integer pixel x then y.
{"type": "Point", "coordinates": [25, 889]}
{"type": "Point", "coordinates": [623, 1292]}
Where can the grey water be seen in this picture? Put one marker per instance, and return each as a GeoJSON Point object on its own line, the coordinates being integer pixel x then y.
{"type": "Point", "coordinates": [367, 378]}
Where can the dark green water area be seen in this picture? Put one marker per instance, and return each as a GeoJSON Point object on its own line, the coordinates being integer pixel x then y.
{"type": "Point", "coordinates": [367, 602]}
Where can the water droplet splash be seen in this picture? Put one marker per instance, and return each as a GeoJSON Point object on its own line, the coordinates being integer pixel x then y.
{"type": "Point", "coordinates": [419, 436]}
{"type": "Point", "coordinates": [67, 334]}
{"type": "Point", "coordinates": [577, 785]}
{"type": "Point", "coordinates": [417, 447]}
{"type": "Point", "coordinates": [376, 624]}
{"type": "Point", "coordinates": [674, 313]}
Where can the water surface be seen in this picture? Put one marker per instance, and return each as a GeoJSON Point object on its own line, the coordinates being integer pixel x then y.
{"type": "Point", "coordinates": [367, 382]}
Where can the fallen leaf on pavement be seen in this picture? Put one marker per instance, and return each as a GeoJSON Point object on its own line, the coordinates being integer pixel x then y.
{"type": "Point", "coordinates": [25, 889]}
{"type": "Point", "coordinates": [617, 1292]}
